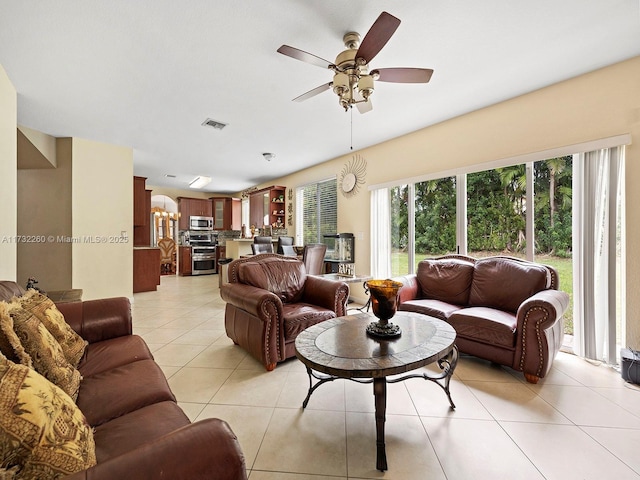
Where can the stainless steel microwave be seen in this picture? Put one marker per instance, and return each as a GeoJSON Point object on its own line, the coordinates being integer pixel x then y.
{"type": "Point", "coordinates": [200, 223]}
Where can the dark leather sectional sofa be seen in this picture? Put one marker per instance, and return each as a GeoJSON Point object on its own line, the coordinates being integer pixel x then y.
{"type": "Point", "coordinates": [140, 432]}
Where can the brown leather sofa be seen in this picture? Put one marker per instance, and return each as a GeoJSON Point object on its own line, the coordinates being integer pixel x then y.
{"type": "Point", "coordinates": [140, 432]}
{"type": "Point", "coordinates": [271, 299]}
{"type": "Point", "coordinates": [504, 309]}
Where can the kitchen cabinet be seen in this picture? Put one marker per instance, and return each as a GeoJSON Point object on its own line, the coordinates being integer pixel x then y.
{"type": "Point", "coordinates": [197, 207]}
{"type": "Point", "coordinates": [141, 213]}
{"type": "Point", "coordinates": [267, 207]}
{"type": "Point", "coordinates": [227, 213]}
{"type": "Point", "coordinates": [146, 269]}
{"type": "Point", "coordinates": [140, 216]}
{"type": "Point", "coordinates": [184, 261]}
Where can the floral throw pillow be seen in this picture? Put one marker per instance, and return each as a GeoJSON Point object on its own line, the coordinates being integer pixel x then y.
{"type": "Point", "coordinates": [73, 345]}
{"type": "Point", "coordinates": [43, 434]}
{"type": "Point", "coordinates": [10, 345]}
{"type": "Point", "coordinates": [46, 354]}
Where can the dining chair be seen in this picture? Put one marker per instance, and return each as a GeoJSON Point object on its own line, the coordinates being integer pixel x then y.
{"type": "Point", "coordinates": [284, 241]}
{"type": "Point", "coordinates": [262, 239]}
{"type": "Point", "coordinates": [167, 255]}
{"type": "Point", "coordinates": [257, 248]}
{"type": "Point", "coordinates": [288, 250]}
{"type": "Point", "coordinates": [313, 258]}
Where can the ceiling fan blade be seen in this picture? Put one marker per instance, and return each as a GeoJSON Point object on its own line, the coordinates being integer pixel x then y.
{"type": "Point", "coordinates": [304, 56]}
{"type": "Point", "coordinates": [403, 75]}
{"type": "Point", "coordinates": [377, 36]}
{"type": "Point", "coordinates": [313, 93]}
{"type": "Point", "coordinates": [364, 107]}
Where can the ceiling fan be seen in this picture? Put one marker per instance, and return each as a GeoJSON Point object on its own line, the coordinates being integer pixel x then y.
{"type": "Point", "coordinates": [352, 82]}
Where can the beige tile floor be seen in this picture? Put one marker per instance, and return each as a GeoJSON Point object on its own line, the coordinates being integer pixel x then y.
{"type": "Point", "coordinates": [580, 422]}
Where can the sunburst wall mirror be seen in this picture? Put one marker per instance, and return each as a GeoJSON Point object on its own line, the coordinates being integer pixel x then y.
{"type": "Point", "coordinates": [353, 176]}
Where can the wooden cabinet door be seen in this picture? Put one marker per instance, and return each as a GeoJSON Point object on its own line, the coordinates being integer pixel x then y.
{"type": "Point", "coordinates": [201, 207]}
{"type": "Point", "coordinates": [235, 222]}
{"type": "Point", "coordinates": [185, 260]}
{"type": "Point", "coordinates": [219, 213]}
{"type": "Point", "coordinates": [185, 211]}
{"type": "Point", "coordinates": [140, 216]}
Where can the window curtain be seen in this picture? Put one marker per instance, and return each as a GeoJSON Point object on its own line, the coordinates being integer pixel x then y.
{"type": "Point", "coordinates": [598, 178]}
{"type": "Point", "coordinates": [380, 233]}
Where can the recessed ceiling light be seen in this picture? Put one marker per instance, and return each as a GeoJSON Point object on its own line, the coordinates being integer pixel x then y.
{"type": "Point", "coordinates": [214, 124]}
{"type": "Point", "coordinates": [168, 175]}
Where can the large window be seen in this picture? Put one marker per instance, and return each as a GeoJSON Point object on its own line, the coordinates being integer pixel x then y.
{"type": "Point", "coordinates": [564, 211]}
{"type": "Point", "coordinates": [316, 211]}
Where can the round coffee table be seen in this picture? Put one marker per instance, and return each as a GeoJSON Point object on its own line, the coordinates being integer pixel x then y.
{"type": "Point", "coordinates": [341, 348]}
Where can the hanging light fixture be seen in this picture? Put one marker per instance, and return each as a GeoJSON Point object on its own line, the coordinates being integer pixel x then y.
{"type": "Point", "coordinates": [352, 82]}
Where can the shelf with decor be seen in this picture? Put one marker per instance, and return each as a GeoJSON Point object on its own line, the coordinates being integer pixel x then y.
{"type": "Point", "coordinates": [268, 207]}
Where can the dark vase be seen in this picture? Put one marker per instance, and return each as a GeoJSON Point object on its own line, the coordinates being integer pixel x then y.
{"type": "Point", "coordinates": [384, 302]}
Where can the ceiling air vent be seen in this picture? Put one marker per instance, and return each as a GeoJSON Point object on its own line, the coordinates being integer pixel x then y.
{"type": "Point", "coordinates": [214, 124]}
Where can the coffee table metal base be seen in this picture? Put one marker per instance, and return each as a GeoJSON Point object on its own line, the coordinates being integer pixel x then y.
{"type": "Point", "coordinates": [447, 365]}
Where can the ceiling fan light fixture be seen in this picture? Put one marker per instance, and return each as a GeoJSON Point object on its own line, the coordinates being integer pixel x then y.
{"type": "Point", "coordinates": [200, 181]}
{"type": "Point", "coordinates": [365, 86]}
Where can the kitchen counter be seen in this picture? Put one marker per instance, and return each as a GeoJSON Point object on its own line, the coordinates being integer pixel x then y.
{"type": "Point", "coordinates": [237, 247]}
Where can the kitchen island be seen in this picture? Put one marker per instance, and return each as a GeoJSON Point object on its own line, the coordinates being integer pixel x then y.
{"type": "Point", "coordinates": [237, 247]}
{"type": "Point", "coordinates": [146, 269]}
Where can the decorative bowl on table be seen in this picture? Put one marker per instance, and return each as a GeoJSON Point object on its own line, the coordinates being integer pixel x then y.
{"type": "Point", "coordinates": [384, 302]}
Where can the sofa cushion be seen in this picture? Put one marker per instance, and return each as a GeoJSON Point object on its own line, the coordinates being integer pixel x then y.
{"type": "Point", "coordinates": [447, 280]}
{"type": "Point", "coordinates": [134, 429]}
{"type": "Point", "coordinates": [121, 390]}
{"type": "Point", "coordinates": [300, 316]}
{"type": "Point", "coordinates": [433, 308]}
{"type": "Point", "coordinates": [482, 324]}
{"type": "Point", "coordinates": [45, 310]}
{"type": "Point", "coordinates": [41, 430]}
{"type": "Point", "coordinates": [281, 276]}
{"type": "Point", "coordinates": [115, 352]}
{"type": "Point", "coordinates": [504, 283]}
{"type": "Point", "coordinates": [46, 353]}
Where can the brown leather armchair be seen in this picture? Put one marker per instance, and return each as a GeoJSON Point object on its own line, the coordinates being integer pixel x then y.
{"type": "Point", "coordinates": [271, 299]}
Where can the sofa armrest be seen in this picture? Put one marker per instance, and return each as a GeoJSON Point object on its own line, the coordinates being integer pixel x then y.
{"type": "Point", "coordinates": [546, 307]}
{"type": "Point", "coordinates": [539, 332]}
{"type": "Point", "coordinates": [325, 293]}
{"type": "Point", "coordinates": [410, 288]}
{"type": "Point", "coordinates": [205, 449]}
{"type": "Point", "coordinates": [97, 320]}
{"type": "Point", "coordinates": [256, 301]}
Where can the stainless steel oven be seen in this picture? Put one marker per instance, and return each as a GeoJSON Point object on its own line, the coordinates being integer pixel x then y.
{"type": "Point", "coordinates": [203, 260]}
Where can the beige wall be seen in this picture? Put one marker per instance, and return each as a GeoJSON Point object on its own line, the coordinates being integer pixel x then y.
{"type": "Point", "coordinates": [597, 105]}
{"type": "Point", "coordinates": [44, 213]}
{"type": "Point", "coordinates": [102, 206]}
{"type": "Point", "coordinates": [8, 174]}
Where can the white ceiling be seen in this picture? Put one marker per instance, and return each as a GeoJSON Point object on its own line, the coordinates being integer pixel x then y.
{"type": "Point", "coordinates": [147, 73]}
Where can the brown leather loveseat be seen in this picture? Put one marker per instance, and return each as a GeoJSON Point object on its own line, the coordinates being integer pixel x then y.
{"type": "Point", "coordinates": [504, 309]}
{"type": "Point", "coordinates": [139, 430]}
{"type": "Point", "coordinates": [271, 299]}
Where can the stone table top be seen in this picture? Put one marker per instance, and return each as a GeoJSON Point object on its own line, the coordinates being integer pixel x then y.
{"type": "Point", "coordinates": [341, 346]}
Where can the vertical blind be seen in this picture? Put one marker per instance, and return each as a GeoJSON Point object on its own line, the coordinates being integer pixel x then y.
{"type": "Point", "coordinates": [316, 211]}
